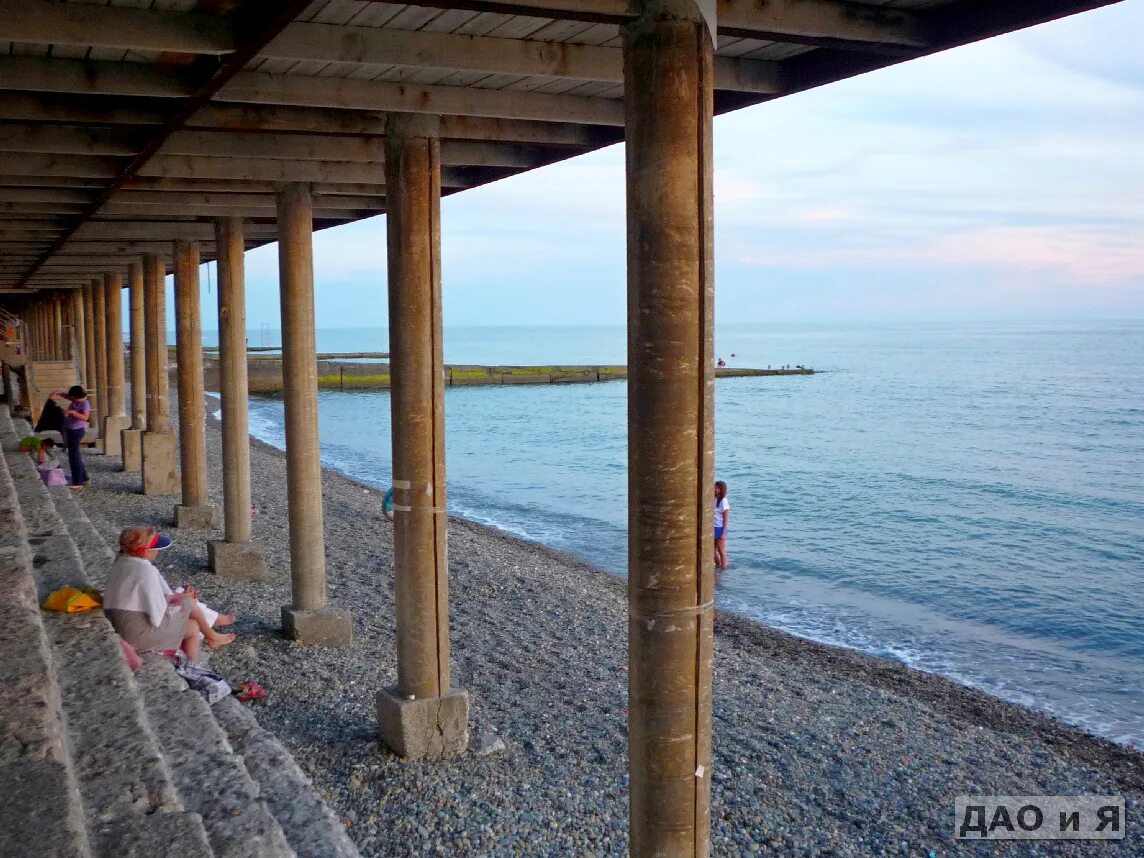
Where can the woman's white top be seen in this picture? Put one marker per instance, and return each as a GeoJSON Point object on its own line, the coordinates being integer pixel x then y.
{"type": "Point", "coordinates": [721, 507]}
{"type": "Point", "coordinates": [134, 584]}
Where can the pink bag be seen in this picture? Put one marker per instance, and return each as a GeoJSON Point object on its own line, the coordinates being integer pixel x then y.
{"type": "Point", "coordinates": [53, 476]}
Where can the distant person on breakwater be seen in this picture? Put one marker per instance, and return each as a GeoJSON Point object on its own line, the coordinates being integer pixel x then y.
{"type": "Point", "coordinates": [722, 363]}
{"type": "Point", "coordinates": [143, 609]}
{"type": "Point", "coordinates": [722, 524]}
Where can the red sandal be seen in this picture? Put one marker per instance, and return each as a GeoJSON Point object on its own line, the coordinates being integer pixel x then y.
{"type": "Point", "coordinates": [248, 692]}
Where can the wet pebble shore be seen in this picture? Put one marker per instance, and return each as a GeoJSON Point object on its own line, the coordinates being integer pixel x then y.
{"type": "Point", "coordinates": [818, 751]}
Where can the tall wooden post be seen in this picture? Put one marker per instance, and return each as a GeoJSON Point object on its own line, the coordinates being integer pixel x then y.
{"type": "Point", "coordinates": [668, 109]}
{"type": "Point", "coordinates": [237, 556]}
{"type": "Point", "coordinates": [423, 715]}
{"type": "Point", "coordinates": [115, 418]}
{"type": "Point", "coordinates": [195, 511]}
{"type": "Point", "coordinates": [160, 474]}
{"type": "Point", "coordinates": [89, 367]}
{"type": "Point", "coordinates": [133, 437]}
{"type": "Point", "coordinates": [79, 328]}
{"type": "Point", "coordinates": [58, 346]}
{"type": "Point", "coordinates": [308, 619]}
{"type": "Point", "coordinates": [99, 308]}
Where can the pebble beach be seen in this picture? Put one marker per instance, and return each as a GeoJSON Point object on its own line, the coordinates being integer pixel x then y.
{"type": "Point", "coordinates": [819, 751]}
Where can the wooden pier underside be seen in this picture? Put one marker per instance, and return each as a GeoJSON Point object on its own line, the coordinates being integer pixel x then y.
{"type": "Point", "coordinates": [126, 126]}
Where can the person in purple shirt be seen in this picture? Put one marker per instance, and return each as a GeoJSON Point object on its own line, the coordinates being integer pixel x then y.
{"type": "Point", "coordinates": [76, 417]}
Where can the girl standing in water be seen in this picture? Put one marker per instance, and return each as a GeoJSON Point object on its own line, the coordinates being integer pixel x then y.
{"type": "Point", "coordinates": [722, 524]}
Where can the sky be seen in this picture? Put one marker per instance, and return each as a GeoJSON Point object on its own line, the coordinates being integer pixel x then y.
{"type": "Point", "coordinates": [1003, 180]}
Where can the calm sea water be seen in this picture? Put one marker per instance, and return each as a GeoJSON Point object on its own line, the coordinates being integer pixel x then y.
{"type": "Point", "coordinates": [967, 499]}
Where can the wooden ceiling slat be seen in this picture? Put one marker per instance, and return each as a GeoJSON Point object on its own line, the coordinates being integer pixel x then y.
{"type": "Point", "coordinates": [45, 22]}
{"type": "Point", "coordinates": [252, 88]}
{"type": "Point", "coordinates": [35, 74]}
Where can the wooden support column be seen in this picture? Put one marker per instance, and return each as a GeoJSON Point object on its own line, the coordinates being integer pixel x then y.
{"type": "Point", "coordinates": [668, 110]}
{"type": "Point", "coordinates": [89, 344]}
{"type": "Point", "coordinates": [79, 335]}
{"type": "Point", "coordinates": [160, 473]}
{"type": "Point", "coordinates": [133, 437]}
{"type": "Point", "coordinates": [237, 556]}
{"type": "Point", "coordinates": [61, 351]}
{"type": "Point", "coordinates": [195, 511]}
{"type": "Point", "coordinates": [115, 418]}
{"type": "Point", "coordinates": [308, 619]}
{"type": "Point", "coordinates": [99, 310]}
{"type": "Point", "coordinates": [423, 716]}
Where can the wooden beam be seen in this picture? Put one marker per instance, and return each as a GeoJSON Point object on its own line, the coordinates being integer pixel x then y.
{"type": "Point", "coordinates": [251, 117]}
{"type": "Point", "coordinates": [67, 108]}
{"type": "Point", "coordinates": [46, 236]}
{"type": "Point", "coordinates": [32, 224]}
{"type": "Point", "coordinates": [102, 230]}
{"type": "Point", "coordinates": [43, 195]}
{"type": "Point", "coordinates": [272, 170]}
{"type": "Point", "coordinates": [201, 186]}
{"type": "Point", "coordinates": [41, 22]}
{"type": "Point", "coordinates": [771, 20]}
{"type": "Point", "coordinates": [305, 91]}
{"type": "Point", "coordinates": [355, 149]}
{"type": "Point", "coordinates": [826, 22]}
{"type": "Point", "coordinates": [29, 209]}
{"type": "Point", "coordinates": [84, 77]}
{"type": "Point", "coordinates": [33, 181]}
{"type": "Point", "coordinates": [525, 57]}
{"type": "Point", "coordinates": [173, 200]}
{"type": "Point", "coordinates": [144, 212]}
{"type": "Point", "coordinates": [63, 139]}
{"type": "Point", "coordinates": [50, 166]}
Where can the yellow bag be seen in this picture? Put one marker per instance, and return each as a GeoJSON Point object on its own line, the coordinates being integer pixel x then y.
{"type": "Point", "coordinates": [72, 601]}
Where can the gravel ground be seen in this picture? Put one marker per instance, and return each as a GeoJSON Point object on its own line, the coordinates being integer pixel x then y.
{"type": "Point", "coordinates": [818, 751]}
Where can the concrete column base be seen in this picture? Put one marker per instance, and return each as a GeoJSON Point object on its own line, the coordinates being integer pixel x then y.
{"type": "Point", "coordinates": [131, 441]}
{"type": "Point", "coordinates": [160, 472]}
{"type": "Point", "coordinates": [236, 561]}
{"type": "Point", "coordinates": [324, 627]}
{"type": "Point", "coordinates": [112, 430]}
{"type": "Point", "coordinates": [195, 517]}
{"type": "Point", "coordinates": [429, 728]}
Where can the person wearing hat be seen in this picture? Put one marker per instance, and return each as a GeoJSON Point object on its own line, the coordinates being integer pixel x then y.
{"type": "Point", "coordinates": [141, 607]}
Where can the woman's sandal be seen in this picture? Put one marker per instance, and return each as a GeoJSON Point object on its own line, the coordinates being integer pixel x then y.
{"type": "Point", "coordinates": [248, 692]}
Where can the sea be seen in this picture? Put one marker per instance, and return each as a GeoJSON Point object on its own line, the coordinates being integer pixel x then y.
{"type": "Point", "coordinates": [963, 498]}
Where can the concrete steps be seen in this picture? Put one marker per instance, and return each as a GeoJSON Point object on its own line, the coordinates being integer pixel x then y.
{"type": "Point", "coordinates": [35, 767]}
{"type": "Point", "coordinates": [237, 783]}
{"type": "Point", "coordinates": [120, 799]}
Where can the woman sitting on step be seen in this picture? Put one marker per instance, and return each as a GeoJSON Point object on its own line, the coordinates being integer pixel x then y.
{"type": "Point", "coordinates": [142, 608]}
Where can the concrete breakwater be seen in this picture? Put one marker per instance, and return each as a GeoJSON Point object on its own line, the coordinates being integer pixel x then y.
{"type": "Point", "coordinates": [361, 371]}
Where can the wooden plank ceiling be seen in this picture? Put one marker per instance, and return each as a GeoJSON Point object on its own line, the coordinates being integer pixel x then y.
{"type": "Point", "coordinates": [126, 125]}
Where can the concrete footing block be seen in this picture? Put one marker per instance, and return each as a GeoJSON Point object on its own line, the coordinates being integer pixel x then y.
{"type": "Point", "coordinates": [195, 517]}
{"type": "Point", "coordinates": [236, 561]}
{"type": "Point", "coordinates": [428, 728]}
{"type": "Point", "coordinates": [131, 441]}
{"type": "Point", "coordinates": [324, 627]}
{"type": "Point", "coordinates": [160, 468]}
{"type": "Point", "coordinates": [112, 432]}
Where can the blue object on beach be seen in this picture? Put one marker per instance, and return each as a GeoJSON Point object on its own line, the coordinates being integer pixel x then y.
{"type": "Point", "coordinates": [387, 503]}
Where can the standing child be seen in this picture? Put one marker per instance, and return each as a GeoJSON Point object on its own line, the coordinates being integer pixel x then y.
{"type": "Point", "coordinates": [722, 524]}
